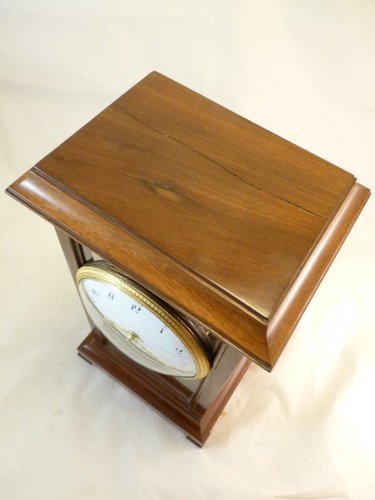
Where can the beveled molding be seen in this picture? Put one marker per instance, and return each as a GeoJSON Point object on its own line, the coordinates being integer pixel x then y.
{"type": "Point", "coordinates": [230, 319]}
{"type": "Point", "coordinates": [299, 294]}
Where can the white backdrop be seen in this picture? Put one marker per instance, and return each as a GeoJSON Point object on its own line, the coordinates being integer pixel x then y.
{"type": "Point", "coordinates": [306, 71]}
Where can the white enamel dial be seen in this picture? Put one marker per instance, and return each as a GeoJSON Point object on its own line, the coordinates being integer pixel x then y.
{"type": "Point", "coordinates": [138, 325]}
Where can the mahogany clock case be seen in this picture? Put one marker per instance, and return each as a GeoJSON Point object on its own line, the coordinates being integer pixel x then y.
{"type": "Point", "coordinates": [224, 220]}
{"type": "Point", "coordinates": [192, 405]}
{"type": "Point", "coordinates": [227, 223]}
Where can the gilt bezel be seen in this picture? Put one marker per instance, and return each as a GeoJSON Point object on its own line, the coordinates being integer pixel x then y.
{"type": "Point", "coordinates": [106, 273]}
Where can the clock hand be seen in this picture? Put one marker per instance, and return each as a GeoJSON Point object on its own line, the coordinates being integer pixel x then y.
{"type": "Point", "coordinates": [138, 344]}
{"type": "Point", "coordinates": [135, 340]}
{"type": "Point", "coordinates": [129, 334]}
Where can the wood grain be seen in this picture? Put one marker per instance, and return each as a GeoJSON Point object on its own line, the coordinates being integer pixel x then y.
{"type": "Point", "coordinates": [227, 222]}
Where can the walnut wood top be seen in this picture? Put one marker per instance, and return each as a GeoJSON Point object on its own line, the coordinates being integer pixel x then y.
{"type": "Point", "coordinates": [226, 221]}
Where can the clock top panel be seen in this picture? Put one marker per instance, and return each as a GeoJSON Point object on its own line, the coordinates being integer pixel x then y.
{"type": "Point", "coordinates": [209, 194]}
{"type": "Point", "coordinates": [232, 202]}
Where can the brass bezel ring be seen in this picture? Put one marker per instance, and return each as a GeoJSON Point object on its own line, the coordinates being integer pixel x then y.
{"type": "Point", "coordinates": [106, 273]}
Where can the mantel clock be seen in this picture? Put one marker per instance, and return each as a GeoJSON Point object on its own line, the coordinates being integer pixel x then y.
{"type": "Point", "coordinates": [196, 239]}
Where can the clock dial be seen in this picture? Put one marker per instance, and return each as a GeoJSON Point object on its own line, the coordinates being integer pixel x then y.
{"type": "Point", "coordinates": [140, 325]}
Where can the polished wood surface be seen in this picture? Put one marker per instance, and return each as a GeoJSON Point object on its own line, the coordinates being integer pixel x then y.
{"type": "Point", "coordinates": [225, 221]}
{"type": "Point", "coordinates": [182, 406]}
{"type": "Point", "coordinates": [192, 405]}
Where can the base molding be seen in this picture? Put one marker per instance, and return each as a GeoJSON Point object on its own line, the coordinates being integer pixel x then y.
{"type": "Point", "coordinates": [167, 395]}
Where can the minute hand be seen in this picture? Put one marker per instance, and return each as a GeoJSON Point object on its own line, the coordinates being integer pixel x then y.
{"type": "Point", "coordinates": [135, 341]}
{"type": "Point", "coordinates": [138, 344]}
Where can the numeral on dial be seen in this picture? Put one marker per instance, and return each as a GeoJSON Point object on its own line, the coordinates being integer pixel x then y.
{"type": "Point", "coordinates": [136, 307]}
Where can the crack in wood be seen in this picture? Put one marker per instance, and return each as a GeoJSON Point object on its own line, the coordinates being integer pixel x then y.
{"type": "Point", "coordinates": [219, 165]}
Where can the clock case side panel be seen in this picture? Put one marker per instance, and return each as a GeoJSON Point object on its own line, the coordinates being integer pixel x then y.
{"type": "Point", "coordinates": [192, 405]}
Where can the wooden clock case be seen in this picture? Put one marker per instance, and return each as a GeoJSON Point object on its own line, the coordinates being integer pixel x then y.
{"type": "Point", "coordinates": [229, 224]}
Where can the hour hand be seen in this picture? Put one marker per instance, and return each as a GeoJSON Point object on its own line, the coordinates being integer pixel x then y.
{"type": "Point", "coordinates": [135, 341]}
{"type": "Point", "coordinates": [129, 334]}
